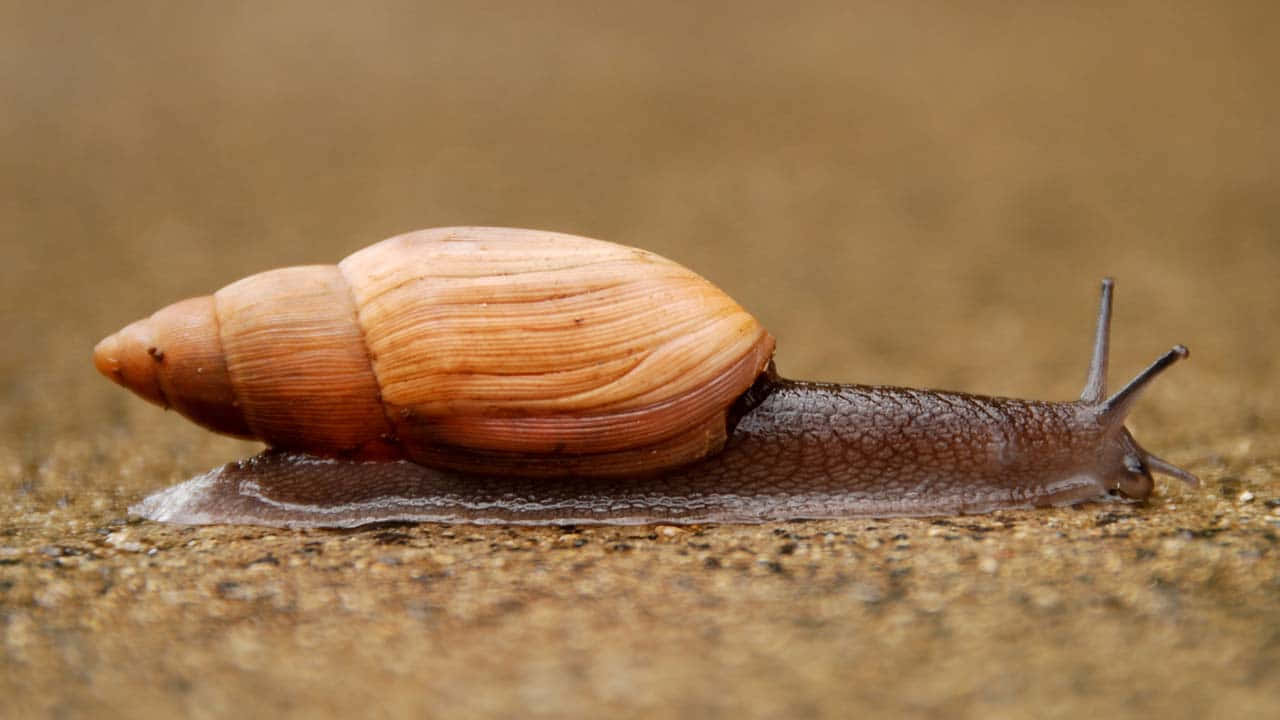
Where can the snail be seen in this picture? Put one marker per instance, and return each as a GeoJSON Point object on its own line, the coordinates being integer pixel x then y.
{"type": "Point", "coordinates": [491, 375]}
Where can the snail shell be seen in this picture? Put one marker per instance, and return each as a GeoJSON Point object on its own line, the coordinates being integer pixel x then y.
{"type": "Point", "coordinates": [476, 349]}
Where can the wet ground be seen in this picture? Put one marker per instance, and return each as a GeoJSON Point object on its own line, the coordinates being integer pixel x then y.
{"type": "Point", "coordinates": [918, 196]}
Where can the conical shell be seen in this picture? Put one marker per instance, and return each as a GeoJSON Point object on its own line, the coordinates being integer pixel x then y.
{"type": "Point", "coordinates": [482, 349]}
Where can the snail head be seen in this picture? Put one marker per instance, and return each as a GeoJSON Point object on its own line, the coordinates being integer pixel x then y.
{"type": "Point", "coordinates": [1125, 467]}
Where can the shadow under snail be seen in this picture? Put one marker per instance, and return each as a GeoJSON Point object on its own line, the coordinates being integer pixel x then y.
{"type": "Point", "coordinates": [492, 375]}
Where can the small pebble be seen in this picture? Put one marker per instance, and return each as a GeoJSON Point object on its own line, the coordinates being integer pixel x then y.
{"type": "Point", "coordinates": [121, 541]}
{"type": "Point", "coordinates": [1245, 497]}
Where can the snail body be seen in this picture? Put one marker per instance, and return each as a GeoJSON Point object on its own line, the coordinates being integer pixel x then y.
{"type": "Point", "coordinates": [493, 375]}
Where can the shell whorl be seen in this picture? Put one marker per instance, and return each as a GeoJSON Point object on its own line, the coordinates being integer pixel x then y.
{"type": "Point", "coordinates": [470, 348]}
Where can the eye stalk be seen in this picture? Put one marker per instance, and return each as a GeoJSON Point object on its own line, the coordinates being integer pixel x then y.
{"type": "Point", "coordinates": [1118, 405]}
{"type": "Point", "coordinates": [1111, 411]}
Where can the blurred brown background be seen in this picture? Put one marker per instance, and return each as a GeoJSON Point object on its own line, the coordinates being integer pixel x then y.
{"type": "Point", "coordinates": [906, 193]}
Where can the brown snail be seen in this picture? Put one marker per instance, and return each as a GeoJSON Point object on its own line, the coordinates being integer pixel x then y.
{"type": "Point", "coordinates": [495, 375]}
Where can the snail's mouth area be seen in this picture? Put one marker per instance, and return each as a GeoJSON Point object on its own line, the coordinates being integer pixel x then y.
{"type": "Point", "coordinates": [1138, 494]}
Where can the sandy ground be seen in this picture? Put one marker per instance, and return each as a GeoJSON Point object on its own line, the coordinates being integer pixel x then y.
{"type": "Point", "coordinates": [906, 194]}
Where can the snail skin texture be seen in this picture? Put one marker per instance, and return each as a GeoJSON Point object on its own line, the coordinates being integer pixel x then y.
{"type": "Point", "coordinates": [492, 375]}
